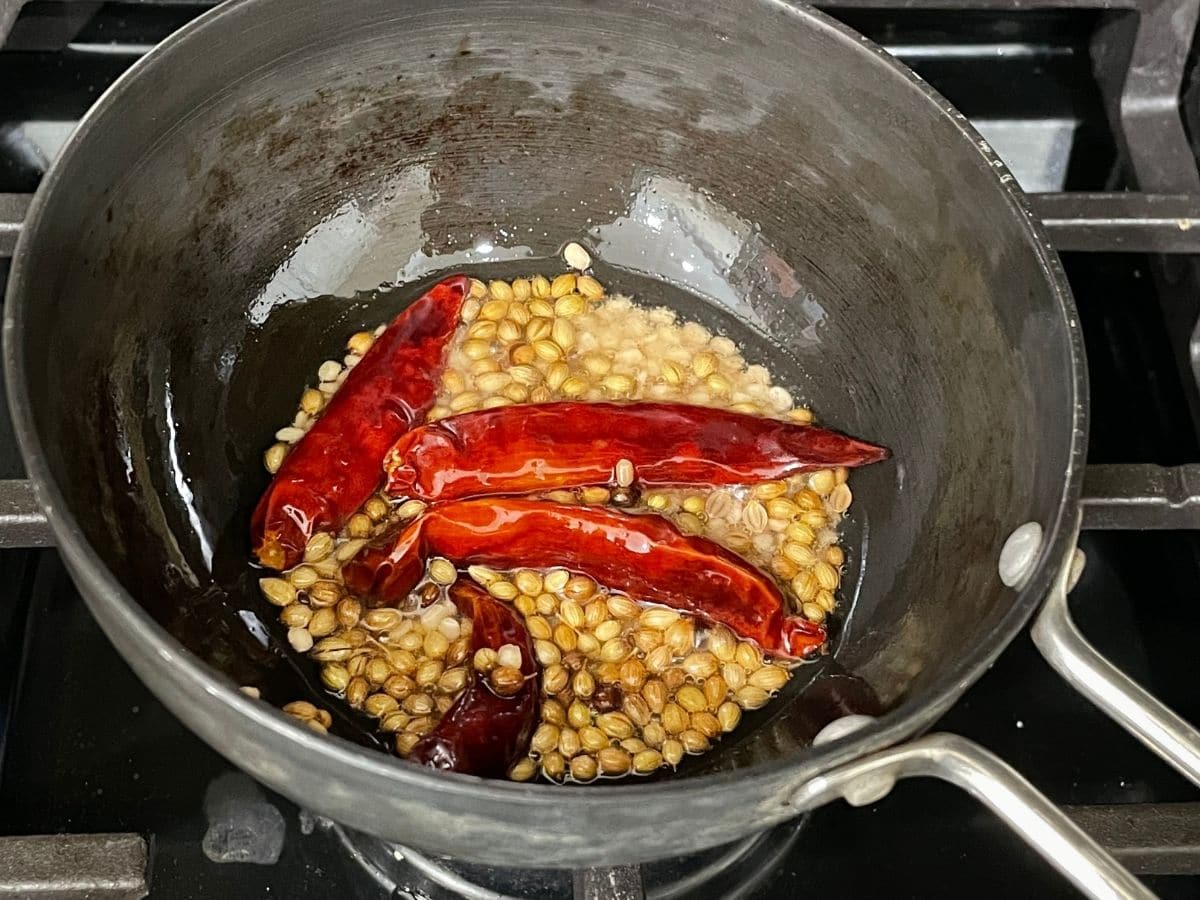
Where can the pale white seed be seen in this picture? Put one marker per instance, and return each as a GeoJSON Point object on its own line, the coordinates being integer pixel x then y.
{"type": "Point", "coordinates": [289, 434]}
{"type": "Point", "coordinates": [509, 655]}
{"type": "Point", "coordinates": [330, 369]}
{"type": "Point", "coordinates": [300, 639]}
{"type": "Point", "coordinates": [576, 257]}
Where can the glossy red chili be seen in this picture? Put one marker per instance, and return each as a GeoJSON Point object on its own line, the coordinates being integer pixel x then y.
{"type": "Point", "coordinates": [521, 449]}
{"type": "Point", "coordinates": [334, 468]}
{"type": "Point", "coordinates": [483, 733]}
{"type": "Point", "coordinates": [643, 555]}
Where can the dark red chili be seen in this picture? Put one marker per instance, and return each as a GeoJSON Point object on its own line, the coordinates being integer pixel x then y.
{"type": "Point", "coordinates": [334, 468]}
{"type": "Point", "coordinates": [483, 733]}
{"type": "Point", "coordinates": [643, 555]}
{"type": "Point", "coordinates": [522, 449]}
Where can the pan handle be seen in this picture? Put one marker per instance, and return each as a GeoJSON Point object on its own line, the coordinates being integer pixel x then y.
{"type": "Point", "coordinates": [983, 775]}
{"type": "Point", "coordinates": [1090, 673]}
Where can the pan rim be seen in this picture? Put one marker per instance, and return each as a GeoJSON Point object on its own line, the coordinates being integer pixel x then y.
{"type": "Point", "coordinates": [119, 614]}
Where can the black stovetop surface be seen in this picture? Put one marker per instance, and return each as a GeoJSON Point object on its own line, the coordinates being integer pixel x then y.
{"type": "Point", "coordinates": [85, 748]}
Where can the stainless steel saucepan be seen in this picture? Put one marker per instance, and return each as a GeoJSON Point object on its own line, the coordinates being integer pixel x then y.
{"type": "Point", "coordinates": [219, 219]}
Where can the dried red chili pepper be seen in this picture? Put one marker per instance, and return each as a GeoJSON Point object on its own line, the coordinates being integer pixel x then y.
{"type": "Point", "coordinates": [334, 468]}
{"type": "Point", "coordinates": [483, 733]}
{"type": "Point", "coordinates": [520, 449]}
{"type": "Point", "coordinates": [643, 555]}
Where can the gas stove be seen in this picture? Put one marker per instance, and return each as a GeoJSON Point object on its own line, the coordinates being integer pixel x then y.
{"type": "Point", "coordinates": [1093, 106]}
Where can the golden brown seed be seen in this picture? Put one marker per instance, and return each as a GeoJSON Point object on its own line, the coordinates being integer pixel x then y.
{"type": "Point", "coordinates": [555, 678]}
{"type": "Point", "coordinates": [377, 670]}
{"type": "Point", "coordinates": [674, 678]}
{"type": "Point", "coordinates": [614, 761]}
{"type": "Point", "coordinates": [822, 481]}
{"type": "Point", "coordinates": [615, 650]}
{"type": "Point", "coordinates": [638, 710]}
{"type": "Point", "coordinates": [654, 734]}
{"type": "Point", "coordinates": [657, 502]}
{"type": "Point", "coordinates": [480, 331]}
{"type": "Point", "coordinates": [541, 307]}
{"type": "Point", "coordinates": [814, 612]}
{"type": "Point", "coordinates": [378, 705]}
{"type": "Point", "coordinates": [583, 768]}
{"type": "Point", "coordinates": [707, 724]}
{"type": "Point", "coordinates": [729, 714]}
{"type": "Point", "coordinates": [700, 664]}
{"type": "Point", "coordinates": [563, 334]}
{"type": "Point", "coordinates": [826, 575]}
{"type": "Point", "coordinates": [411, 641]}
{"type": "Point", "coordinates": [525, 605]}
{"type": "Point", "coordinates": [583, 684]}
{"type": "Point", "coordinates": [691, 698]}
{"type": "Point", "coordinates": [295, 616]}
{"type": "Point", "coordinates": [278, 591]}
{"type": "Point", "coordinates": [359, 526]}
{"type": "Point", "coordinates": [554, 712]}
{"type": "Point", "coordinates": [539, 628]}
{"type": "Point", "coordinates": [545, 738]}
{"type": "Point", "coordinates": [568, 742]}
{"type": "Point", "coordinates": [436, 644]}
{"type": "Point", "coordinates": [715, 691]}
{"type": "Point", "coordinates": [769, 678]}
{"type": "Point", "coordinates": [356, 691]}
{"type": "Point", "coordinates": [675, 718]}
{"type": "Point", "coordinates": [647, 639]}
{"type": "Point", "coordinates": [484, 659]}
{"type": "Point", "coordinates": [522, 354]}
{"type": "Point", "coordinates": [694, 742]}
{"type": "Point", "coordinates": [592, 738]}
{"type": "Point", "coordinates": [578, 587]}
{"type": "Point", "coordinates": [562, 285]}
{"type": "Point", "coordinates": [647, 761]}
{"type": "Point", "coordinates": [274, 457]}
{"type": "Point", "coordinates": [594, 496]}
{"type": "Point", "coordinates": [406, 741]}
{"type": "Point", "coordinates": [319, 546]}
{"type": "Point", "coordinates": [588, 645]}
{"type": "Point", "coordinates": [805, 586]}
{"type": "Point", "coordinates": [349, 611]}
{"type": "Point", "coordinates": [571, 614]}
{"type": "Point", "coordinates": [755, 516]}
{"type": "Point", "coordinates": [814, 519]}
{"type": "Point", "coordinates": [607, 629]}
{"type": "Point", "coordinates": [694, 504]}
{"type": "Point", "coordinates": [322, 623]}
{"type": "Point", "coordinates": [553, 765]}
{"type": "Point", "coordinates": [615, 724]}
{"type": "Point", "coordinates": [547, 653]}
{"type": "Point", "coordinates": [569, 305]}
{"type": "Point", "coordinates": [523, 770]}
{"type": "Point", "coordinates": [749, 657]}
{"type": "Point", "coordinates": [750, 697]}
{"type": "Point", "coordinates": [403, 661]}
{"type": "Point", "coordinates": [595, 615]}
{"type": "Point", "coordinates": [618, 384]}
{"type": "Point", "coordinates": [393, 722]}
{"type": "Point", "coordinates": [589, 287]}
{"type": "Point", "coordinates": [300, 709]}
{"type": "Point", "coordinates": [672, 751]}
{"type": "Point", "coordinates": [399, 686]}
{"type": "Point", "coordinates": [324, 593]}
{"type": "Point", "coordinates": [801, 555]}
{"type": "Point", "coordinates": [428, 672]}
{"type": "Point", "coordinates": [658, 659]}
{"type": "Point", "coordinates": [681, 636]}
{"type": "Point", "coordinates": [376, 508]}
{"type": "Point", "coordinates": [335, 677]}
{"type": "Point", "coordinates": [505, 680]}
{"type": "Point", "coordinates": [655, 694]}
{"type": "Point", "coordinates": [453, 680]}
{"type": "Point", "coordinates": [565, 637]}
{"type": "Point", "coordinates": [826, 601]}
{"type": "Point", "coordinates": [633, 674]}
{"type": "Point", "coordinates": [420, 725]}
{"type": "Point", "coordinates": [442, 571]}
{"type": "Point", "coordinates": [546, 604]}
{"type": "Point", "coordinates": [722, 643]}
{"type": "Point", "coordinates": [556, 580]}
